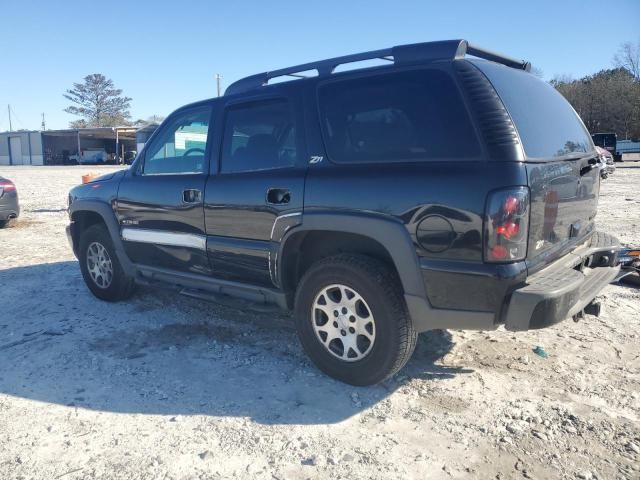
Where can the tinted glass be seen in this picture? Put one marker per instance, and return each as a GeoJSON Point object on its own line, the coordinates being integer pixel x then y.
{"type": "Point", "coordinates": [547, 124]}
{"type": "Point", "coordinates": [180, 145]}
{"type": "Point", "coordinates": [258, 136]}
{"type": "Point", "coordinates": [605, 140]}
{"type": "Point", "coordinates": [400, 116]}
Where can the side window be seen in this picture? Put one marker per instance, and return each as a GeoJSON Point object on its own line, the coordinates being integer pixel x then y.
{"type": "Point", "coordinates": [394, 117]}
{"type": "Point", "coordinates": [258, 136]}
{"type": "Point", "coordinates": [181, 144]}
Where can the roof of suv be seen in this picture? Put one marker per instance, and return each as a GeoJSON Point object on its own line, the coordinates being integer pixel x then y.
{"type": "Point", "coordinates": [402, 54]}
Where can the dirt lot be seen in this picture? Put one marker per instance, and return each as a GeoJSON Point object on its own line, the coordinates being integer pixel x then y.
{"type": "Point", "coordinates": [164, 386]}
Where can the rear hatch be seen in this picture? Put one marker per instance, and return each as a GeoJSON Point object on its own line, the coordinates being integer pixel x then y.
{"type": "Point", "coordinates": [564, 199]}
{"type": "Point", "coordinates": [560, 160]}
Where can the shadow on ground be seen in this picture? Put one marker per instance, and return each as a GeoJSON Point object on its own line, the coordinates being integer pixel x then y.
{"type": "Point", "coordinates": [161, 353]}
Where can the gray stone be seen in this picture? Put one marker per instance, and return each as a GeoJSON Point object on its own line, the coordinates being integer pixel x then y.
{"type": "Point", "coordinates": [206, 455]}
{"type": "Point", "coordinates": [633, 447]}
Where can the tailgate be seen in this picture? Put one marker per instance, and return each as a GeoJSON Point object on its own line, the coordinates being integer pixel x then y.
{"type": "Point", "coordinates": [561, 162]}
{"type": "Point", "coordinates": [564, 200]}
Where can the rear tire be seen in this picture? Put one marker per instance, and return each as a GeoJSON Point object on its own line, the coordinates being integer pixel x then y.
{"type": "Point", "coordinates": [370, 304]}
{"type": "Point", "coordinates": [100, 267]}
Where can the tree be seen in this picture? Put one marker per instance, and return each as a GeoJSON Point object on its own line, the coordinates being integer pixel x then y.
{"type": "Point", "coordinates": [628, 57]}
{"type": "Point", "coordinates": [98, 102]}
{"type": "Point", "coordinates": [608, 101]}
{"type": "Point", "coordinates": [151, 120]}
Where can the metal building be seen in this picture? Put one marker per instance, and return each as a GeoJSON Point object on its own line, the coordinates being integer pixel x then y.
{"type": "Point", "coordinates": [21, 148]}
{"type": "Point", "coordinates": [65, 147]}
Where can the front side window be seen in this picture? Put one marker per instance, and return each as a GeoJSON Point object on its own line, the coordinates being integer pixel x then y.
{"type": "Point", "coordinates": [258, 136]}
{"type": "Point", "coordinates": [180, 145]}
{"type": "Point", "coordinates": [401, 116]}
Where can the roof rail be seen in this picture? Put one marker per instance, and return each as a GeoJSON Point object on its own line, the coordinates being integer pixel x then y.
{"type": "Point", "coordinates": [403, 54]}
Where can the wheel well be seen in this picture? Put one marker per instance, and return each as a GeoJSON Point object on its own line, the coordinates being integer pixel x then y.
{"type": "Point", "coordinates": [83, 220]}
{"type": "Point", "coordinates": [303, 249]}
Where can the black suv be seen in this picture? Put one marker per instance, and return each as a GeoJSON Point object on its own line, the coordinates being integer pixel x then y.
{"type": "Point", "coordinates": [432, 191]}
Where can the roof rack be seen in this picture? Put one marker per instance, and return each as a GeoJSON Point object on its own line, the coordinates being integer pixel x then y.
{"type": "Point", "coordinates": [403, 54]}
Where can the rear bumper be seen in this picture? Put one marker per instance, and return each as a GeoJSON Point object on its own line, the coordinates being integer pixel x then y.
{"type": "Point", "coordinates": [9, 211]}
{"type": "Point", "coordinates": [564, 288]}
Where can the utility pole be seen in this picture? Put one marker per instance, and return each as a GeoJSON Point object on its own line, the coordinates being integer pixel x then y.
{"type": "Point", "coordinates": [218, 77]}
{"type": "Point", "coordinates": [43, 124]}
{"type": "Point", "coordinates": [9, 110]}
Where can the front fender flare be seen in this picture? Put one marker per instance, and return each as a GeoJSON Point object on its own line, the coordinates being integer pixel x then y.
{"type": "Point", "coordinates": [108, 216]}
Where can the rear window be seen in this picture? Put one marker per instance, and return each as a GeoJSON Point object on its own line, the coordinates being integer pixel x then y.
{"type": "Point", "coordinates": [547, 124]}
{"type": "Point", "coordinates": [395, 117]}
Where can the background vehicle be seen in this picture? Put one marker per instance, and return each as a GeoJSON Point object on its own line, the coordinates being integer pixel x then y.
{"type": "Point", "coordinates": [9, 206]}
{"type": "Point", "coordinates": [630, 266]}
{"type": "Point", "coordinates": [436, 191]}
{"type": "Point", "coordinates": [608, 141]}
{"type": "Point", "coordinates": [91, 156]}
{"type": "Point", "coordinates": [606, 159]}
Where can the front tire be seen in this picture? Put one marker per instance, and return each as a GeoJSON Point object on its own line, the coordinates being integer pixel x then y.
{"type": "Point", "coordinates": [352, 320]}
{"type": "Point", "coordinates": [100, 267]}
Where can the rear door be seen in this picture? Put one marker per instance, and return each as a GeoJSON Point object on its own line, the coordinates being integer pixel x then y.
{"type": "Point", "coordinates": [561, 162]}
{"type": "Point", "coordinates": [256, 186]}
{"type": "Point", "coordinates": [160, 199]}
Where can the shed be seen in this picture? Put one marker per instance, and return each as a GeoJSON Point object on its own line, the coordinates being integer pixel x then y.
{"type": "Point", "coordinates": [21, 148]}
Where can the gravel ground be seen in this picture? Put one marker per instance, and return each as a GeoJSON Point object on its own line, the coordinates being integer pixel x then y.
{"type": "Point", "coordinates": [165, 386]}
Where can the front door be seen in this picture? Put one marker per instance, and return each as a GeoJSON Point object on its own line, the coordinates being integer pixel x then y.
{"type": "Point", "coordinates": [258, 188]}
{"type": "Point", "coordinates": [160, 200]}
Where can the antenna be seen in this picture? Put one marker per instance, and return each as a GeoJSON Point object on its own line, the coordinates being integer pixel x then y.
{"type": "Point", "coordinates": [9, 110]}
{"type": "Point", "coordinates": [43, 124]}
{"type": "Point", "coordinates": [218, 77]}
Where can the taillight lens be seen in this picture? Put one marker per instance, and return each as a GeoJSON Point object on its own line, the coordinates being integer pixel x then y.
{"type": "Point", "coordinates": [507, 225]}
{"type": "Point", "coordinates": [6, 186]}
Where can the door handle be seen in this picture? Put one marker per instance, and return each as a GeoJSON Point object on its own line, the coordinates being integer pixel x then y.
{"type": "Point", "coordinates": [278, 196]}
{"type": "Point", "coordinates": [191, 195]}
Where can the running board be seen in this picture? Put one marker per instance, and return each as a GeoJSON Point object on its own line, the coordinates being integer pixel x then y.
{"type": "Point", "coordinates": [229, 301]}
{"type": "Point", "coordinates": [199, 286]}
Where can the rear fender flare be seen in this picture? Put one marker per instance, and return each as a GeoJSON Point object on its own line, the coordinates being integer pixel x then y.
{"type": "Point", "coordinates": [391, 234]}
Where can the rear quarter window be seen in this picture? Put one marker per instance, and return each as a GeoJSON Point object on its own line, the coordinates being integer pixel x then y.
{"type": "Point", "coordinates": [394, 117]}
{"type": "Point", "coordinates": [547, 124]}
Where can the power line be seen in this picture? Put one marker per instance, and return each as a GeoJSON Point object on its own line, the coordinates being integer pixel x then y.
{"type": "Point", "coordinates": [19, 120]}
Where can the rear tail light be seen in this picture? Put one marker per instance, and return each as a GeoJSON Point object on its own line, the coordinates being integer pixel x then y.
{"type": "Point", "coordinates": [6, 186]}
{"type": "Point", "coordinates": [507, 225]}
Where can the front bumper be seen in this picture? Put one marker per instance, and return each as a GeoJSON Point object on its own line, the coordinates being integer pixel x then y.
{"type": "Point", "coordinates": [564, 288]}
{"type": "Point", "coordinates": [69, 231]}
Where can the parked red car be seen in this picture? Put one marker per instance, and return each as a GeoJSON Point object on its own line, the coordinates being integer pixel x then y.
{"type": "Point", "coordinates": [9, 206]}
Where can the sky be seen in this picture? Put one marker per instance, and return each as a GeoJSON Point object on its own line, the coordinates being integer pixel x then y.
{"type": "Point", "coordinates": [164, 54]}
